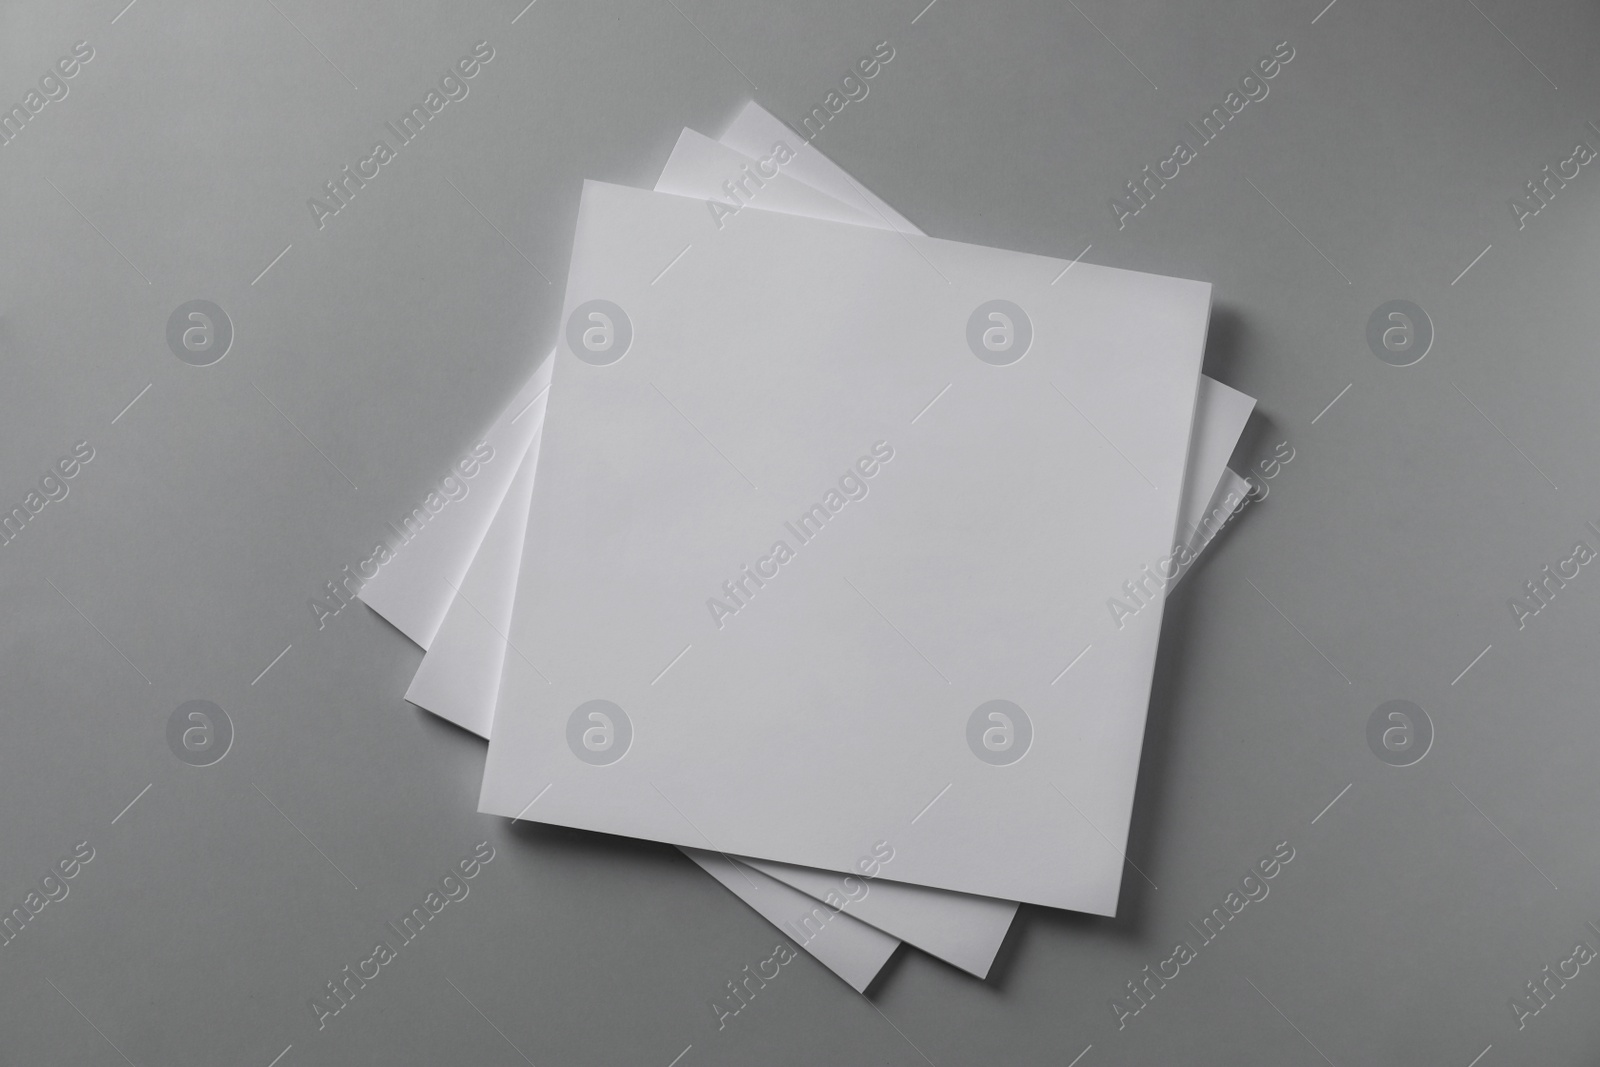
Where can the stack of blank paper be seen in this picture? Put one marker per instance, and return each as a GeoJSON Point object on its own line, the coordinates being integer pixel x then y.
{"type": "Point", "coordinates": [832, 553]}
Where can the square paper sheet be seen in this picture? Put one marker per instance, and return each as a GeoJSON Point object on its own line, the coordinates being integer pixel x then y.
{"type": "Point", "coordinates": [985, 548]}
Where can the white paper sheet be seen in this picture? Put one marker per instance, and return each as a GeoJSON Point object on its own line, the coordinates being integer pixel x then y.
{"type": "Point", "coordinates": [1221, 412]}
{"type": "Point", "coordinates": [963, 930]}
{"type": "Point", "coordinates": [459, 676]}
{"type": "Point", "coordinates": [704, 169]}
{"type": "Point", "coordinates": [792, 290]}
{"type": "Point", "coordinates": [852, 950]}
{"type": "Point", "coordinates": [414, 589]}
{"type": "Point", "coordinates": [1226, 501]}
{"type": "Point", "coordinates": [753, 133]}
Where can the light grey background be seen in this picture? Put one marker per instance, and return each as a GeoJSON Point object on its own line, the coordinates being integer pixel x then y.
{"type": "Point", "coordinates": [182, 562]}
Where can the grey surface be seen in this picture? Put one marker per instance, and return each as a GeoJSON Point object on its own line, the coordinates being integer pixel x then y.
{"type": "Point", "coordinates": [182, 561]}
